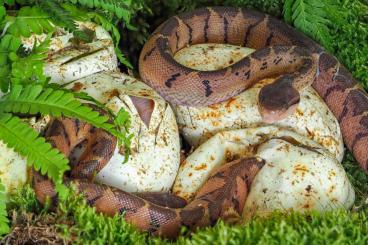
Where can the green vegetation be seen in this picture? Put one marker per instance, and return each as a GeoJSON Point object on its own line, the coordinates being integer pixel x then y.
{"type": "Point", "coordinates": [27, 89]}
{"type": "Point", "coordinates": [77, 223]}
{"type": "Point", "coordinates": [341, 26]}
{"type": "Point", "coordinates": [350, 37]}
{"type": "Point", "coordinates": [4, 226]}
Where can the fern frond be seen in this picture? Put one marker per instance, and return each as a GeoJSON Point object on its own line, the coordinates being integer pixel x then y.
{"type": "Point", "coordinates": [311, 17]}
{"type": "Point", "coordinates": [2, 12]}
{"type": "Point", "coordinates": [288, 13]}
{"type": "Point", "coordinates": [4, 222]}
{"type": "Point", "coordinates": [29, 69]}
{"type": "Point", "coordinates": [63, 18]}
{"type": "Point", "coordinates": [107, 24]}
{"type": "Point", "coordinates": [29, 20]}
{"type": "Point", "coordinates": [122, 121]}
{"type": "Point", "coordinates": [34, 99]}
{"type": "Point", "coordinates": [9, 45]}
{"type": "Point", "coordinates": [9, 2]}
{"type": "Point", "coordinates": [27, 142]}
{"type": "Point", "coordinates": [122, 8]}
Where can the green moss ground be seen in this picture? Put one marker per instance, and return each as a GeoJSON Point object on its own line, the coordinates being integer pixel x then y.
{"type": "Point", "coordinates": [74, 222]}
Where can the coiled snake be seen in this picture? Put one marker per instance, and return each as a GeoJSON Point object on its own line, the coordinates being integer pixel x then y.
{"type": "Point", "coordinates": [281, 52]}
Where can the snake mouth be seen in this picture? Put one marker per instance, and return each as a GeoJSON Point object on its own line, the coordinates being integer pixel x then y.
{"type": "Point", "coordinates": [272, 116]}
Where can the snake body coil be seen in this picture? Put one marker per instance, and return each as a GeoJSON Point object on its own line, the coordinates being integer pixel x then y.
{"type": "Point", "coordinates": [89, 149]}
{"type": "Point", "coordinates": [281, 51]}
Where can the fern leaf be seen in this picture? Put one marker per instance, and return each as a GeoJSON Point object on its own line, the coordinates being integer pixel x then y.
{"type": "Point", "coordinates": [29, 69]}
{"type": "Point", "coordinates": [4, 222]}
{"type": "Point", "coordinates": [9, 2]}
{"type": "Point", "coordinates": [9, 45]}
{"type": "Point", "coordinates": [123, 60]}
{"type": "Point", "coordinates": [2, 13]}
{"type": "Point", "coordinates": [63, 18]}
{"type": "Point", "coordinates": [123, 122]}
{"type": "Point", "coordinates": [288, 5]}
{"type": "Point", "coordinates": [122, 119]}
{"type": "Point", "coordinates": [26, 141]}
{"type": "Point", "coordinates": [34, 99]}
{"type": "Point", "coordinates": [28, 21]}
{"type": "Point", "coordinates": [123, 9]}
{"type": "Point", "coordinates": [311, 17]}
{"type": "Point", "coordinates": [108, 25]}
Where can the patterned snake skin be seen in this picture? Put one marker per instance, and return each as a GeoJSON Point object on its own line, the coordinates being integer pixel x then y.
{"type": "Point", "coordinates": [282, 52]}
{"type": "Point", "coordinates": [89, 149]}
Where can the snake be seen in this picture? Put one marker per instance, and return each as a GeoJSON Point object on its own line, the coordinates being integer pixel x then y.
{"type": "Point", "coordinates": [294, 60]}
{"type": "Point", "coordinates": [89, 149]}
{"type": "Point", "coordinates": [282, 52]}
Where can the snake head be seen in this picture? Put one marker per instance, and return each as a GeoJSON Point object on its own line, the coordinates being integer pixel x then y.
{"type": "Point", "coordinates": [278, 100]}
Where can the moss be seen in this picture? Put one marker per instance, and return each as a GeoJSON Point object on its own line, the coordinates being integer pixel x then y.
{"type": "Point", "coordinates": [350, 35]}
{"type": "Point", "coordinates": [77, 223]}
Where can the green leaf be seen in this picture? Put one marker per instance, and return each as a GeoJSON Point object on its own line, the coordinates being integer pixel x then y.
{"type": "Point", "coordinates": [29, 69]}
{"type": "Point", "coordinates": [122, 58]}
{"type": "Point", "coordinates": [9, 2]}
{"type": "Point", "coordinates": [311, 18]}
{"type": "Point", "coordinates": [28, 21]}
{"type": "Point", "coordinates": [62, 190]}
{"type": "Point", "coordinates": [122, 9]}
{"type": "Point", "coordinates": [8, 46]}
{"type": "Point", "coordinates": [4, 222]}
{"type": "Point", "coordinates": [83, 15]}
{"type": "Point", "coordinates": [10, 43]}
{"type": "Point", "coordinates": [62, 17]}
{"type": "Point", "coordinates": [122, 118]}
{"type": "Point", "coordinates": [2, 12]}
{"type": "Point", "coordinates": [27, 142]}
{"type": "Point", "coordinates": [33, 99]}
{"type": "Point", "coordinates": [288, 11]}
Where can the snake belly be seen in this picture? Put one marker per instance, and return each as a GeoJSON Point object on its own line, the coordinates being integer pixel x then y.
{"type": "Point", "coordinates": [281, 51]}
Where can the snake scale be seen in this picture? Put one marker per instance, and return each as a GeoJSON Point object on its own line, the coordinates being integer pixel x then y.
{"type": "Point", "coordinates": [281, 52]}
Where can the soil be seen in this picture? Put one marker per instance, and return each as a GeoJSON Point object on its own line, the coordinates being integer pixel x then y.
{"type": "Point", "coordinates": [28, 228]}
